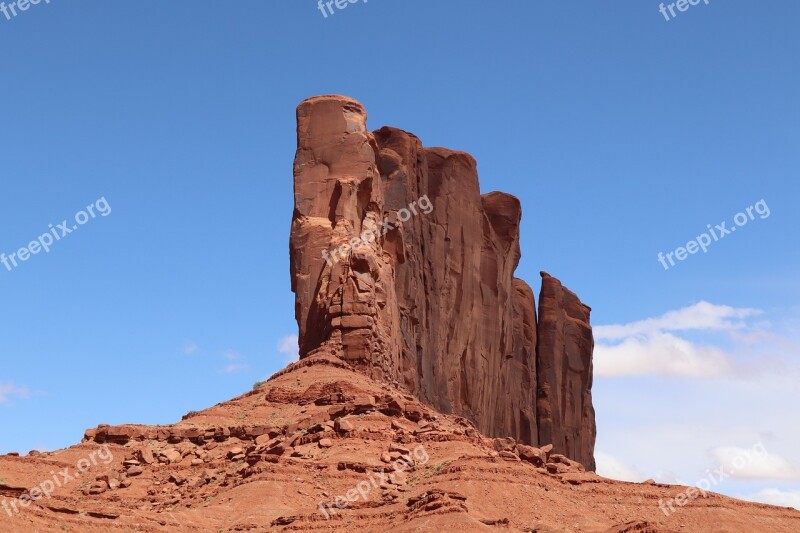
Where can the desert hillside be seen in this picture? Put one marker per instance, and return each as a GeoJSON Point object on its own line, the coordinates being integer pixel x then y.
{"type": "Point", "coordinates": [320, 436]}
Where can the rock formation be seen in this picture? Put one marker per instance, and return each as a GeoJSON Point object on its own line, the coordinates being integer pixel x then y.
{"type": "Point", "coordinates": [424, 314]}
{"type": "Point", "coordinates": [322, 447]}
{"type": "Point", "coordinates": [564, 365]}
{"type": "Point", "coordinates": [402, 268]}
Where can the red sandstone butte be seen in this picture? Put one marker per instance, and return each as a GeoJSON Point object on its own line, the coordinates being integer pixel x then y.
{"type": "Point", "coordinates": [429, 308]}
{"type": "Point", "coordinates": [432, 304]}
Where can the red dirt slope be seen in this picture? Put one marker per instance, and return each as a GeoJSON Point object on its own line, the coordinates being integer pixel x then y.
{"type": "Point", "coordinates": [276, 459]}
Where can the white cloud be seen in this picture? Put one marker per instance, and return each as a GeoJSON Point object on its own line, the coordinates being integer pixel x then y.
{"type": "Point", "coordinates": [236, 362]}
{"type": "Point", "coordinates": [789, 498]}
{"type": "Point", "coordinates": [700, 316]}
{"type": "Point", "coordinates": [661, 354]}
{"type": "Point", "coordinates": [754, 463]}
{"type": "Point", "coordinates": [676, 428]}
{"type": "Point", "coordinates": [230, 355]}
{"type": "Point", "coordinates": [190, 348]}
{"type": "Point", "coordinates": [654, 346]}
{"type": "Point", "coordinates": [9, 391]}
{"type": "Point", "coordinates": [288, 346]}
{"type": "Point", "coordinates": [612, 468]}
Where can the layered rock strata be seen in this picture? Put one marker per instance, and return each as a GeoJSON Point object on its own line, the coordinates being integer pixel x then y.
{"type": "Point", "coordinates": [401, 267]}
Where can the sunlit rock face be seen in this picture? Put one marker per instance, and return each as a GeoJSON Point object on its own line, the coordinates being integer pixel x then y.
{"type": "Point", "coordinates": [402, 268]}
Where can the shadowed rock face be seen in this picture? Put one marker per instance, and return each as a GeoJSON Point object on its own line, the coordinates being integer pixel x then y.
{"type": "Point", "coordinates": [564, 364]}
{"type": "Point", "coordinates": [405, 270]}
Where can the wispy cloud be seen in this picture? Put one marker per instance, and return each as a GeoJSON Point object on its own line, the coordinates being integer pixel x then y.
{"type": "Point", "coordinates": [288, 347]}
{"type": "Point", "coordinates": [781, 498]}
{"type": "Point", "coordinates": [9, 391]}
{"type": "Point", "coordinates": [190, 348]}
{"type": "Point", "coordinates": [700, 316]}
{"type": "Point", "coordinates": [661, 354]}
{"type": "Point", "coordinates": [659, 346]}
{"type": "Point", "coordinates": [744, 464]}
{"type": "Point", "coordinates": [612, 468]}
{"type": "Point", "coordinates": [715, 380]}
{"type": "Point", "coordinates": [230, 355]}
{"type": "Point", "coordinates": [235, 362]}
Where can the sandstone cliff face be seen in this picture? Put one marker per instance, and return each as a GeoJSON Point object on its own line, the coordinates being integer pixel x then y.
{"type": "Point", "coordinates": [405, 270]}
{"type": "Point", "coordinates": [564, 363]}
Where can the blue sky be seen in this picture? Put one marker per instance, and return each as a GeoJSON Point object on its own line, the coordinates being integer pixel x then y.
{"type": "Point", "coordinates": [623, 134]}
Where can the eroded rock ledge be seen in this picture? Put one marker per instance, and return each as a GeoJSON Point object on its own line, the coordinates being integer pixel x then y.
{"type": "Point", "coordinates": [430, 302]}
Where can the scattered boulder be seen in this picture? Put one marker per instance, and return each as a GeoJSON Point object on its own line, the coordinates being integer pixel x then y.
{"type": "Point", "coordinates": [170, 456]}
{"type": "Point", "coordinates": [504, 444]}
{"type": "Point", "coordinates": [342, 425]}
{"type": "Point", "coordinates": [531, 454]}
{"type": "Point", "coordinates": [98, 487]}
{"type": "Point", "coordinates": [397, 426]}
{"type": "Point", "coordinates": [558, 468]}
{"type": "Point", "coordinates": [397, 448]}
{"type": "Point", "coordinates": [278, 449]}
{"type": "Point", "coordinates": [365, 403]}
{"type": "Point", "coordinates": [233, 452]}
{"type": "Point", "coordinates": [146, 456]}
{"type": "Point", "coordinates": [508, 456]}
